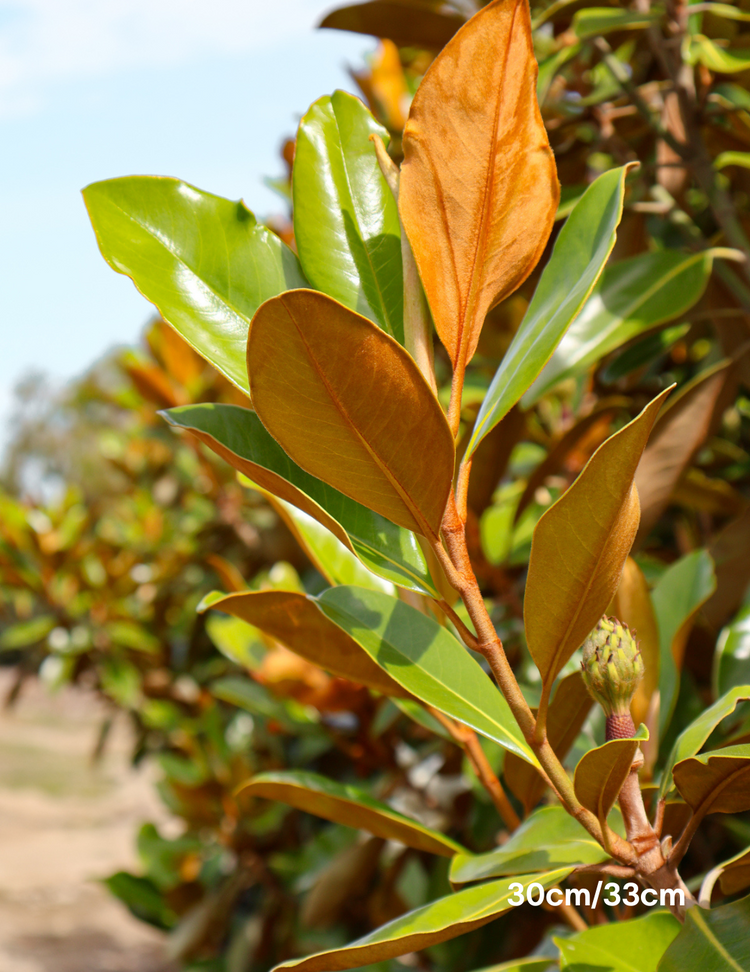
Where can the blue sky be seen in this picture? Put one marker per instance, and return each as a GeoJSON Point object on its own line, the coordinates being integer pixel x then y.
{"type": "Point", "coordinates": [92, 89]}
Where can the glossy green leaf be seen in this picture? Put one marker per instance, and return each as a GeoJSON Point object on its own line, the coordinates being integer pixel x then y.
{"type": "Point", "coordinates": [348, 805]}
{"type": "Point", "coordinates": [741, 159]}
{"type": "Point", "coordinates": [712, 941]}
{"type": "Point", "coordinates": [643, 352]}
{"type": "Point", "coordinates": [204, 261]}
{"type": "Point", "coordinates": [632, 296]}
{"type": "Point", "coordinates": [726, 10]}
{"type": "Point", "coordinates": [601, 772]}
{"type": "Point", "coordinates": [523, 965]}
{"type": "Point", "coordinates": [548, 838]}
{"type": "Point", "coordinates": [681, 590]}
{"type": "Point", "coordinates": [548, 69]}
{"type": "Point", "coordinates": [238, 435]}
{"type": "Point", "coordinates": [692, 739]}
{"type": "Point", "coordinates": [734, 96]}
{"type": "Point", "coordinates": [236, 640]}
{"type": "Point", "coordinates": [426, 660]}
{"type": "Point", "coordinates": [717, 781]}
{"type": "Point", "coordinates": [25, 633]}
{"type": "Point", "coordinates": [719, 59]}
{"type": "Point", "coordinates": [596, 21]}
{"type": "Point", "coordinates": [580, 547]}
{"type": "Point", "coordinates": [253, 698]}
{"type": "Point", "coordinates": [581, 250]}
{"type": "Point", "coordinates": [732, 658]}
{"type": "Point", "coordinates": [332, 558]}
{"type": "Point", "coordinates": [346, 223]}
{"type": "Point", "coordinates": [623, 946]}
{"type": "Point", "coordinates": [436, 922]}
{"type": "Point", "coordinates": [296, 621]}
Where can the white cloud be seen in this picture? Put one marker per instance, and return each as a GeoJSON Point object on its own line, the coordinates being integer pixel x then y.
{"type": "Point", "coordinates": [43, 42]}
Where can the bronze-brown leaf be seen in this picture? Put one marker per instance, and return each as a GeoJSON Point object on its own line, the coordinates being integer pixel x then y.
{"type": "Point", "coordinates": [580, 546]}
{"type": "Point", "coordinates": [678, 435]}
{"type": "Point", "coordinates": [479, 190]}
{"type": "Point", "coordinates": [349, 405]}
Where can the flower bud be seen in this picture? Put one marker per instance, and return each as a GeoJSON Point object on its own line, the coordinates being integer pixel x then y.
{"type": "Point", "coordinates": [612, 667]}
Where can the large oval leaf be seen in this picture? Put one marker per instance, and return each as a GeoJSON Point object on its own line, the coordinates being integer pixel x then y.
{"type": "Point", "coordinates": [621, 946]}
{"type": "Point", "coordinates": [581, 250]}
{"type": "Point", "coordinates": [601, 772]}
{"type": "Point", "coordinates": [426, 660]}
{"type": "Point", "coordinates": [348, 805]}
{"type": "Point", "coordinates": [345, 218]}
{"type": "Point", "coordinates": [717, 781]}
{"type": "Point", "coordinates": [349, 405]}
{"type": "Point", "coordinates": [692, 739]}
{"type": "Point", "coordinates": [328, 555]}
{"type": "Point", "coordinates": [239, 437]}
{"type": "Point", "coordinates": [550, 837]}
{"type": "Point", "coordinates": [631, 297]}
{"type": "Point", "coordinates": [436, 922]}
{"type": "Point", "coordinates": [712, 941]}
{"type": "Point", "coordinates": [296, 621]}
{"type": "Point", "coordinates": [478, 191]}
{"type": "Point", "coordinates": [580, 546]}
{"type": "Point", "coordinates": [204, 261]}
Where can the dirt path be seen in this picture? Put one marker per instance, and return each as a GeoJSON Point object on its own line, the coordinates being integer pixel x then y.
{"type": "Point", "coordinates": [63, 825]}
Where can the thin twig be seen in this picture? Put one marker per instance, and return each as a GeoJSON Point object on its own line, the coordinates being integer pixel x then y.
{"type": "Point", "coordinates": [467, 739]}
{"type": "Point", "coordinates": [467, 636]}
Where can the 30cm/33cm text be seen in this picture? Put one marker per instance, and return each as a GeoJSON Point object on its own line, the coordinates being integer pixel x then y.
{"type": "Point", "coordinates": [630, 894]}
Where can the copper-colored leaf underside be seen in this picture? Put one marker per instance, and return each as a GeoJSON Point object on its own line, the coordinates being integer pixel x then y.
{"type": "Point", "coordinates": [601, 772]}
{"type": "Point", "coordinates": [580, 546]}
{"type": "Point", "coordinates": [479, 190]}
{"type": "Point", "coordinates": [349, 405]}
{"type": "Point", "coordinates": [677, 437]}
{"type": "Point", "coordinates": [716, 782]}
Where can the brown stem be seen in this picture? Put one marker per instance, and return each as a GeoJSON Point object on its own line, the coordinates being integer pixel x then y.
{"type": "Point", "coordinates": [462, 489]}
{"type": "Point", "coordinates": [659, 818]}
{"type": "Point", "coordinates": [457, 388]}
{"type": "Point", "coordinates": [609, 870]}
{"type": "Point", "coordinates": [467, 739]}
{"type": "Point", "coordinates": [455, 556]}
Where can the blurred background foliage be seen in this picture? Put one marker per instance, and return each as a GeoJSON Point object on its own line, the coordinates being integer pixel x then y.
{"type": "Point", "coordinates": [112, 528]}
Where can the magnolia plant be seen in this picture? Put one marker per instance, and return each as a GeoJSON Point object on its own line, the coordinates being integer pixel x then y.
{"type": "Point", "coordinates": [343, 429]}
